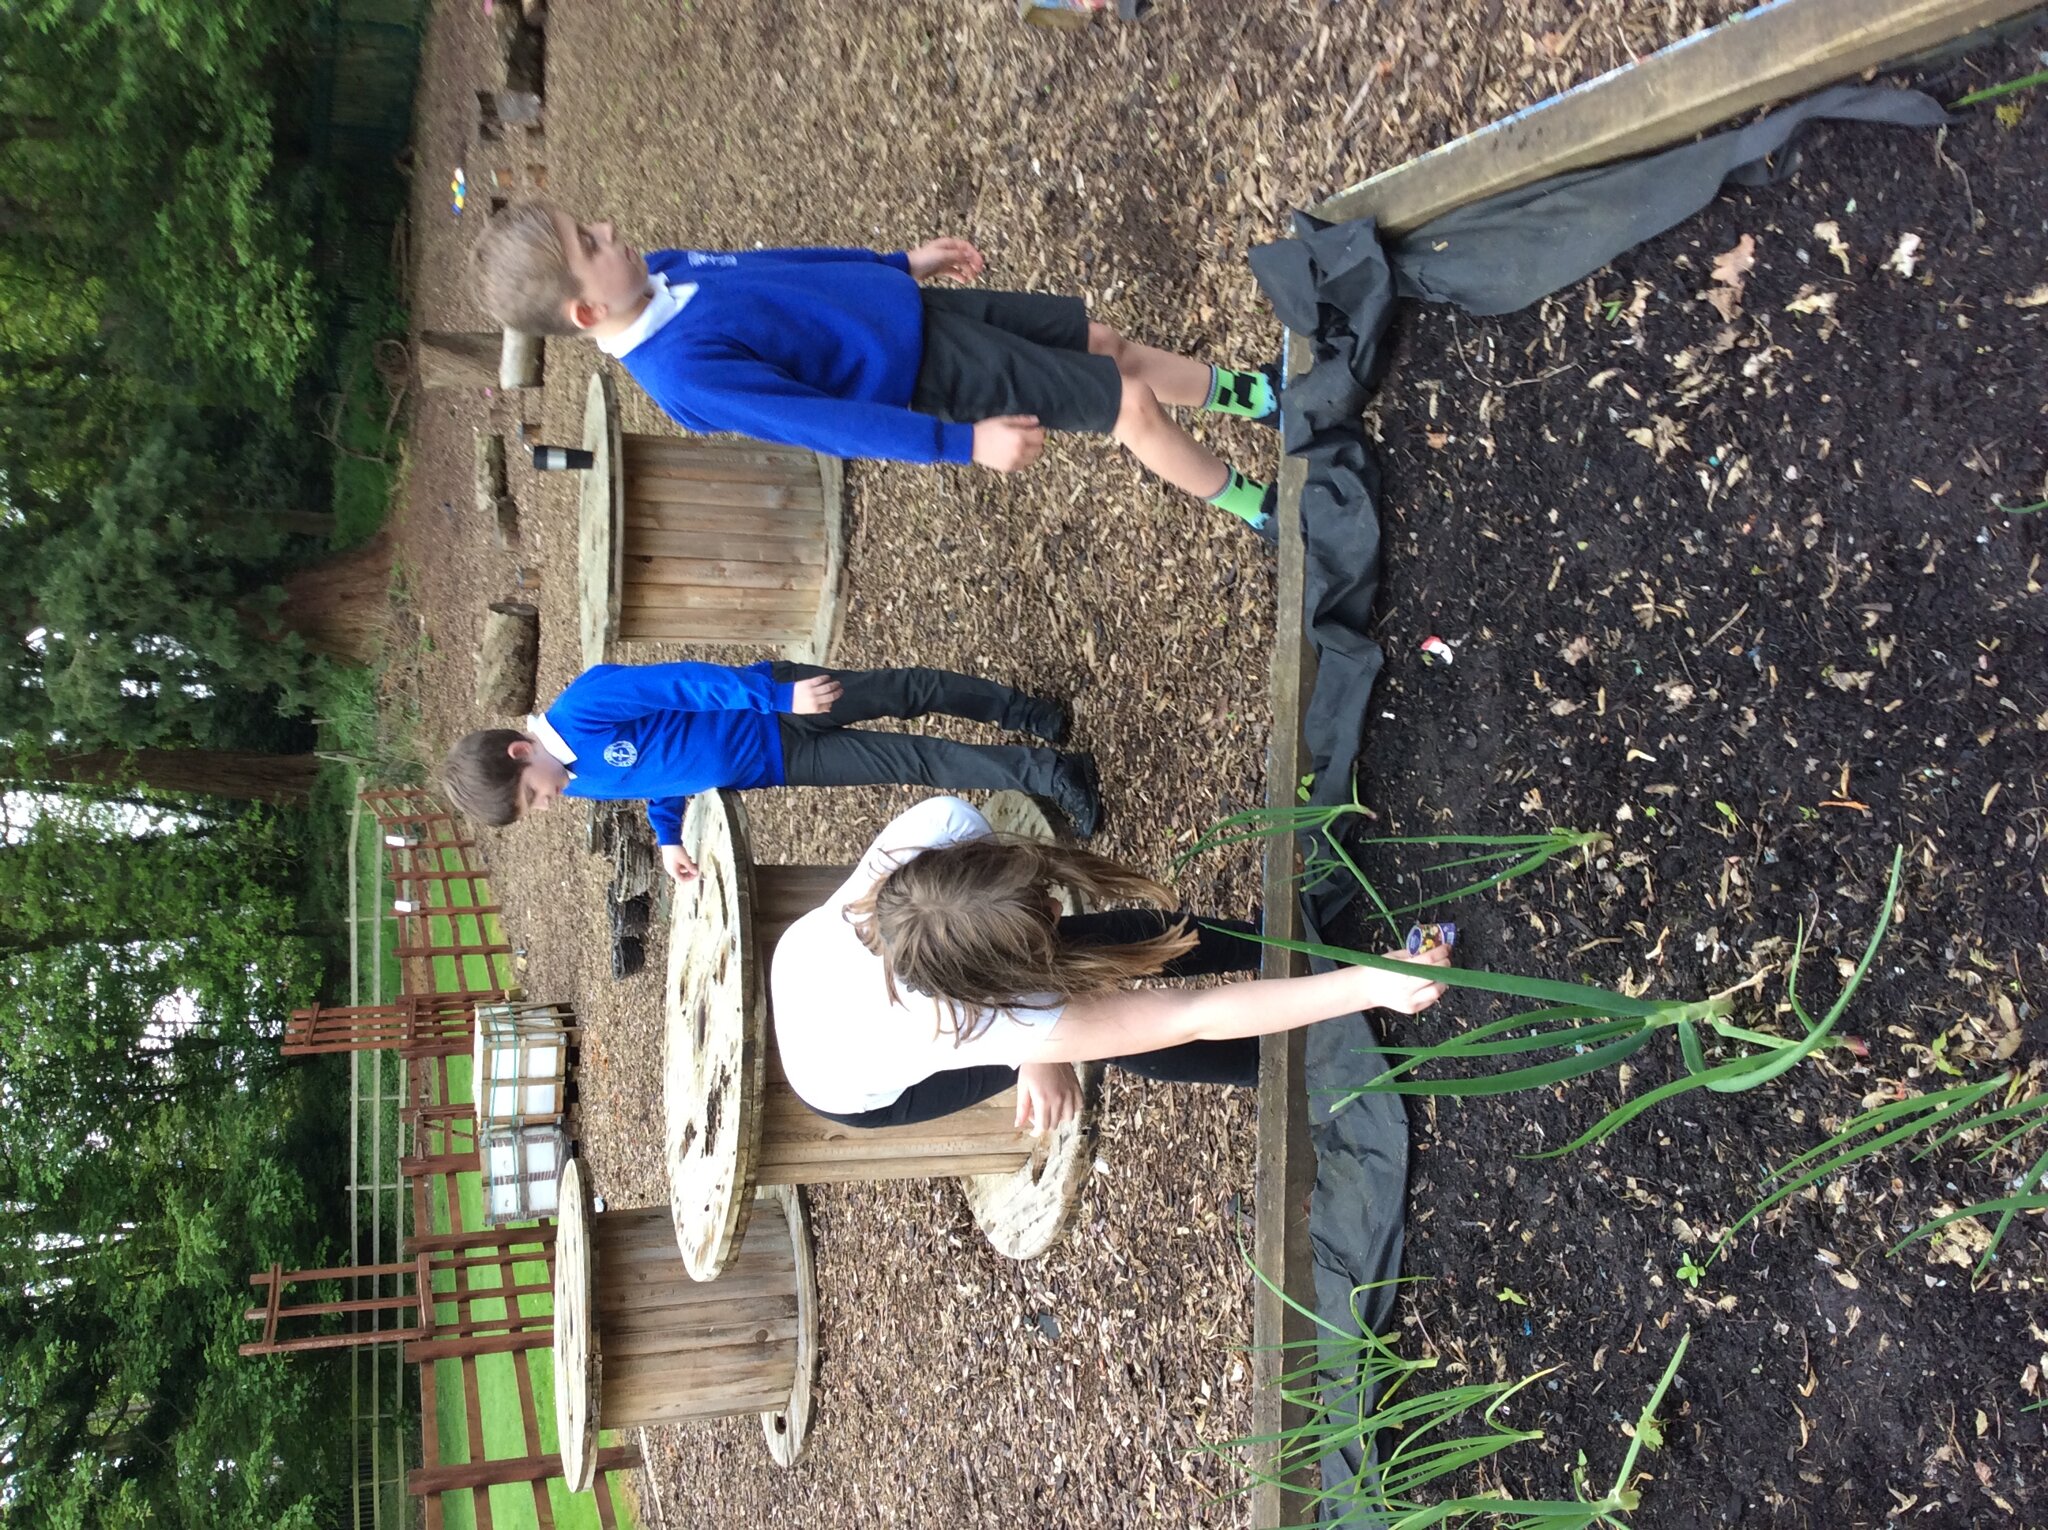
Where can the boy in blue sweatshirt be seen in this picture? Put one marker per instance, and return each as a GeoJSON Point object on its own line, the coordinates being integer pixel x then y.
{"type": "Point", "coordinates": [841, 351]}
{"type": "Point", "coordinates": [662, 732]}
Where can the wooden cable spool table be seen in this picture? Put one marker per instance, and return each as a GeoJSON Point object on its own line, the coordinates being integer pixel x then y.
{"type": "Point", "coordinates": [637, 1341]}
{"type": "Point", "coordinates": [708, 539]}
{"type": "Point", "coordinates": [734, 1122]}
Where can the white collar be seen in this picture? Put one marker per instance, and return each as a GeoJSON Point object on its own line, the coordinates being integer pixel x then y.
{"type": "Point", "coordinates": [663, 303]}
{"type": "Point", "coordinates": [545, 735]}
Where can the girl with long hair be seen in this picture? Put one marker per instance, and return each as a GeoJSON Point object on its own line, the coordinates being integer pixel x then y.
{"type": "Point", "coordinates": [942, 972]}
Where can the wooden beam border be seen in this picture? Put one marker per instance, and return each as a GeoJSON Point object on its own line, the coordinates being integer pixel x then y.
{"type": "Point", "coordinates": [1285, 1168]}
{"type": "Point", "coordinates": [1779, 50]}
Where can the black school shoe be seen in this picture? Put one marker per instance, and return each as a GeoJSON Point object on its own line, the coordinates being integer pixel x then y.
{"type": "Point", "coordinates": [1077, 793]}
{"type": "Point", "coordinates": [1048, 720]}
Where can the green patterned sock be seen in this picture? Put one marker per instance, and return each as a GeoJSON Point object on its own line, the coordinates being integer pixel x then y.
{"type": "Point", "coordinates": [1243, 497]}
{"type": "Point", "coordinates": [1249, 394]}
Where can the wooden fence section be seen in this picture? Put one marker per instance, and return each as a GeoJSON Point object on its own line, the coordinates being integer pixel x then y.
{"type": "Point", "coordinates": [415, 1026]}
{"type": "Point", "coordinates": [490, 1289]}
{"type": "Point", "coordinates": [440, 903]}
{"type": "Point", "coordinates": [492, 1295]}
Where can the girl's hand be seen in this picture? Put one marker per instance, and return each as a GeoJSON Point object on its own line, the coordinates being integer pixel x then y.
{"type": "Point", "coordinates": [814, 696]}
{"type": "Point", "coordinates": [955, 259]}
{"type": "Point", "coordinates": [1048, 1095]}
{"type": "Point", "coordinates": [1397, 991]}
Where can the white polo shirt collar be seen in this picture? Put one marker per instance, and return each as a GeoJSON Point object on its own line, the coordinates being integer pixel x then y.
{"type": "Point", "coordinates": [663, 304]}
{"type": "Point", "coordinates": [544, 733]}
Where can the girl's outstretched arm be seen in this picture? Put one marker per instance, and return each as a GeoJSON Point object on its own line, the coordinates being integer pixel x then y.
{"type": "Point", "coordinates": [1124, 1023]}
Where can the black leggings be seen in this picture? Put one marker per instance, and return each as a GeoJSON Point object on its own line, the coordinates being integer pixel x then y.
{"type": "Point", "coordinates": [1222, 948]}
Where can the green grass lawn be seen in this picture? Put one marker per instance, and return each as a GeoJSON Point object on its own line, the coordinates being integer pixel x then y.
{"type": "Point", "coordinates": [497, 1377]}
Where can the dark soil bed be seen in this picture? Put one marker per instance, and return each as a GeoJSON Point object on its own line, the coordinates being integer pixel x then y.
{"type": "Point", "coordinates": [1737, 589]}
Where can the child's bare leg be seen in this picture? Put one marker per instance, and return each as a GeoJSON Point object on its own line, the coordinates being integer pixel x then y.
{"type": "Point", "coordinates": [1184, 382]}
{"type": "Point", "coordinates": [1153, 437]}
{"type": "Point", "coordinates": [1157, 441]}
{"type": "Point", "coordinates": [1176, 380]}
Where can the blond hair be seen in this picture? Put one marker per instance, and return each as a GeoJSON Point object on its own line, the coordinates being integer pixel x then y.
{"type": "Point", "coordinates": [521, 272]}
{"type": "Point", "coordinates": [483, 778]}
{"type": "Point", "coordinates": [974, 925]}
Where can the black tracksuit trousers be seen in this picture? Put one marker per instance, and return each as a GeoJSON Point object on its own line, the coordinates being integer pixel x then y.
{"type": "Point", "coordinates": [823, 750]}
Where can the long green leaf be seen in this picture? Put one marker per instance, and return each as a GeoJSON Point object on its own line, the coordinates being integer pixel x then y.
{"type": "Point", "coordinates": [1628, 1110]}
{"type": "Point", "coordinates": [1792, 1056]}
{"type": "Point", "coordinates": [1539, 1077]}
{"type": "Point", "coordinates": [1601, 1001]}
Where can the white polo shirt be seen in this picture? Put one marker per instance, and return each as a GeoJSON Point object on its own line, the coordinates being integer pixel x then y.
{"type": "Point", "coordinates": [845, 1047]}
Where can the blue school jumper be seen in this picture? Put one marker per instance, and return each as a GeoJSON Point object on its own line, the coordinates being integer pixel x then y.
{"type": "Point", "coordinates": [814, 348]}
{"type": "Point", "coordinates": [662, 732]}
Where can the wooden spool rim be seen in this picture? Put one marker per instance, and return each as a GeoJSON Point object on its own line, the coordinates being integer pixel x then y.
{"type": "Point", "coordinates": [1024, 1212]}
{"type": "Point", "coordinates": [578, 1365]}
{"type": "Point", "coordinates": [600, 514]}
{"type": "Point", "coordinates": [710, 1204]}
{"type": "Point", "coordinates": [788, 1428]}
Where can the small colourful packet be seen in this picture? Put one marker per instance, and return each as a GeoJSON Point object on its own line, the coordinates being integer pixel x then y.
{"type": "Point", "coordinates": [1427, 937]}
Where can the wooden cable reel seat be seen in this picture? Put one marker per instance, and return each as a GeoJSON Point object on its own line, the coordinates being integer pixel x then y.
{"type": "Point", "coordinates": [638, 1341]}
{"type": "Point", "coordinates": [705, 539]}
{"type": "Point", "coordinates": [733, 1120]}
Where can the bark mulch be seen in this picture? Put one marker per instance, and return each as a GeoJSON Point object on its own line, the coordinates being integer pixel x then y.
{"type": "Point", "coordinates": [1133, 165]}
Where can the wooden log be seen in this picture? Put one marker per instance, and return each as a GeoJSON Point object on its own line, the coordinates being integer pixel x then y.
{"type": "Point", "coordinates": [448, 359]}
{"type": "Point", "coordinates": [519, 360]}
{"type": "Point", "coordinates": [515, 108]}
{"type": "Point", "coordinates": [492, 498]}
{"type": "Point", "coordinates": [1777, 51]}
{"type": "Point", "coordinates": [508, 659]}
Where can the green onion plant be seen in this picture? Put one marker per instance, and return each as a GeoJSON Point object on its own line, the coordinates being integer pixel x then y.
{"type": "Point", "coordinates": [1935, 1120]}
{"type": "Point", "coordinates": [1492, 858]}
{"type": "Point", "coordinates": [2005, 88]}
{"type": "Point", "coordinates": [1409, 1440]}
{"type": "Point", "coordinates": [1595, 1028]}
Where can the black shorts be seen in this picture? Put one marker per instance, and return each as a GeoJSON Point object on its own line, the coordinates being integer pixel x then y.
{"type": "Point", "coordinates": [993, 353]}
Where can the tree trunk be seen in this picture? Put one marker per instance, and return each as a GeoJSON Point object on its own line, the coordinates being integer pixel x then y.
{"type": "Point", "coordinates": [241, 774]}
{"type": "Point", "coordinates": [341, 606]}
{"type": "Point", "coordinates": [15, 126]}
{"type": "Point", "coordinates": [306, 523]}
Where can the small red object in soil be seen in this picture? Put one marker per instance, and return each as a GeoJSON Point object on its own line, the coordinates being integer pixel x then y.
{"type": "Point", "coordinates": [1436, 651]}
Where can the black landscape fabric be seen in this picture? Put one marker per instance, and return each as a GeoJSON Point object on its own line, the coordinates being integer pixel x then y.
{"type": "Point", "coordinates": [1337, 283]}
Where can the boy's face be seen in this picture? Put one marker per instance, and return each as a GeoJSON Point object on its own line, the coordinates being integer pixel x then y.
{"type": "Point", "coordinates": [541, 777]}
{"type": "Point", "coordinates": [611, 276]}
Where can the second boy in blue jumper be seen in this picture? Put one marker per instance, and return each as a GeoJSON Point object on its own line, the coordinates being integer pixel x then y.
{"type": "Point", "coordinates": [663, 732]}
{"type": "Point", "coordinates": [841, 351]}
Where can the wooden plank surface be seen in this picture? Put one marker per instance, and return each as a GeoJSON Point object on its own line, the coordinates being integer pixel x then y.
{"type": "Point", "coordinates": [1285, 1167]}
{"type": "Point", "coordinates": [657, 624]}
{"type": "Point", "coordinates": [1777, 51]}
